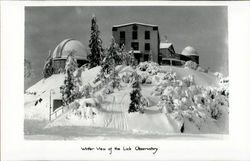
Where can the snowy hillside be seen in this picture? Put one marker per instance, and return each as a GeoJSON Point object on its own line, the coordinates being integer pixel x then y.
{"type": "Point", "coordinates": [201, 78]}
{"type": "Point", "coordinates": [176, 98]}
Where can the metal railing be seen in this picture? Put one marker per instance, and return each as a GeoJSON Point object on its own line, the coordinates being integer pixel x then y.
{"type": "Point", "coordinates": [58, 112]}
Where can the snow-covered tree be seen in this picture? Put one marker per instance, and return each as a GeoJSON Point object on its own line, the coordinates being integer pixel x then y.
{"type": "Point", "coordinates": [95, 45]}
{"type": "Point", "coordinates": [113, 53]}
{"type": "Point", "coordinates": [150, 56]}
{"type": "Point", "coordinates": [69, 89]}
{"type": "Point", "coordinates": [27, 69]}
{"type": "Point", "coordinates": [191, 65]}
{"type": "Point", "coordinates": [135, 95]}
{"type": "Point", "coordinates": [48, 66]}
{"type": "Point", "coordinates": [86, 91]}
{"type": "Point", "coordinates": [71, 62]}
{"type": "Point", "coordinates": [133, 61]}
{"type": "Point", "coordinates": [123, 54]}
{"type": "Point", "coordinates": [112, 58]}
{"type": "Point", "coordinates": [115, 58]}
{"type": "Point", "coordinates": [116, 80]}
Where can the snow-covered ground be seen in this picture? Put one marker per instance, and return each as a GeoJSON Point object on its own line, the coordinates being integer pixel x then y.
{"type": "Point", "coordinates": [112, 120]}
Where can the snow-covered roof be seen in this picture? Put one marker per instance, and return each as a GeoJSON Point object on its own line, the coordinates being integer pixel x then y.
{"type": "Point", "coordinates": [165, 45]}
{"type": "Point", "coordinates": [188, 51]}
{"type": "Point", "coordinates": [63, 49]}
{"type": "Point", "coordinates": [135, 23]}
{"type": "Point", "coordinates": [135, 51]}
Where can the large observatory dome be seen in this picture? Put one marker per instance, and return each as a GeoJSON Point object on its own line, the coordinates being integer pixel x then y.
{"type": "Point", "coordinates": [63, 49]}
{"type": "Point", "coordinates": [189, 51]}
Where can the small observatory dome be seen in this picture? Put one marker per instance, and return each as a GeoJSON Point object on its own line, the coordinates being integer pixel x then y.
{"type": "Point", "coordinates": [66, 46]}
{"type": "Point", "coordinates": [188, 51]}
{"type": "Point", "coordinates": [191, 53]}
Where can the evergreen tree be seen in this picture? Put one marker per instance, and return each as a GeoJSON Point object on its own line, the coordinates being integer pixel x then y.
{"type": "Point", "coordinates": [95, 45]}
{"type": "Point", "coordinates": [48, 66]}
{"type": "Point", "coordinates": [111, 60]}
{"type": "Point", "coordinates": [68, 90]}
{"type": "Point", "coordinates": [71, 62]}
{"type": "Point", "coordinates": [125, 57]}
{"type": "Point", "coordinates": [135, 95]}
{"type": "Point", "coordinates": [28, 72]}
{"type": "Point", "coordinates": [115, 59]}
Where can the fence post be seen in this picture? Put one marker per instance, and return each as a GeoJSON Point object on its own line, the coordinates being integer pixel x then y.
{"type": "Point", "coordinates": [50, 105]}
{"type": "Point", "coordinates": [49, 113]}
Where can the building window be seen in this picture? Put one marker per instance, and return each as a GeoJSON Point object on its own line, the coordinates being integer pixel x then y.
{"type": "Point", "coordinates": [134, 35]}
{"type": "Point", "coordinates": [176, 63]}
{"type": "Point", "coordinates": [122, 34]}
{"type": "Point", "coordinates": [122, 38]}
{"type": "Point", "coordinates": [135, 27]}
{"type": "Point", "coordinates": [147, 35]}
{"type": "Point", "coordinates": [146, 56]}
{"type": "Point", "coordinates": [166, 62]}
{"type": "Point", "coordinates": [147, 46]}
{"type": "Point", "coordinates": [155, 28]}
{"type": "Point", "coordinates": [135, 45]}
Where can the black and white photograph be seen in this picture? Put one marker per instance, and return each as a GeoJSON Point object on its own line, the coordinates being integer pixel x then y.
{"type": "Point", "coordinates": [125, 72]}
{"type": "Point", "coordinates": [125, 80]}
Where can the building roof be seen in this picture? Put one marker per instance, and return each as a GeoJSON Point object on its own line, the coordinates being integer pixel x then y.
{"type": "Point", "coordinates": [63, 49]}
{"type": "Point", "coordinates": [188, 51]}
{"type": "Point", "coordinates": [135, 51]}
{"type": "Point", "coordinates": [165, 45]}
{"type": "Point", "coordinates": [168, 46]}
{"type": "Point", "coordinates": [135, 23]}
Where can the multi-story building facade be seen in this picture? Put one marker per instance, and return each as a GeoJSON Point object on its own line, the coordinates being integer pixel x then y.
{"type": "Point", "coordinates": [142, 38]}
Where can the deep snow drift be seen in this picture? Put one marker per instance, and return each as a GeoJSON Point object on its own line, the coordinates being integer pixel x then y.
{"type": "Point", "coordinates": [178, 98]}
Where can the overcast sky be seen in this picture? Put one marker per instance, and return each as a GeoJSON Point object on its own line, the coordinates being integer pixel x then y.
{"type": "Point", "coordinates": [204, 28]}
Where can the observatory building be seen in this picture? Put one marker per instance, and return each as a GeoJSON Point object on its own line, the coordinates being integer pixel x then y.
{"type": "Point", "coordinates": [63, 49]}
{"type": "Point", "coordinates": [168, 56]}
{"type": "Point", "coordinates": [144, 39]}
{"type": "Point", "coordinates": [191, 53]}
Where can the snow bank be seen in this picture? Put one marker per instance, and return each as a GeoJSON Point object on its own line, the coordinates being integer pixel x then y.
{"type": "Point", "coordinates": [54, 81]}
{"type": "Point", "coordinates": [151, 68]}
{"type": "Point", "coordinates": [152, 123]}
{"type": "Point", "coordinates": [200, 78]}
{"type": "Point", "coordinates": [44, 89]}
{"type": "Point", "coordinates": [50, 87]}
{"type": "Point", "coordinates": [179, 96]}
{"type": "Point", "coordinates": [88, 76]}
{"type": "Point", "coordinates": [184, 100]}
{"type": "Point", "coordinates": [113, 114]}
